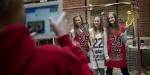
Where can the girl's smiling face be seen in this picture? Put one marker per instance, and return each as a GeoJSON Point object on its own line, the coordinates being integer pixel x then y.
{"type": "Point", "coordinates": [111, 18]}
{"type": "Point", "coordinates": [78, 21]}
{"type": "Point", "coordinates": [97, 22]}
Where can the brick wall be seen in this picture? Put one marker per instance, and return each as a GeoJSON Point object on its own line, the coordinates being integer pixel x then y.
{"type": "Point", "coordinates": [122, 10]}
{"type": "Point", "coordinates": [73, 12]}
{"type": "Point", "coordinates": [144, 18]}
{"type": "Point", "coordinates": [73, 3]}
{"type": "Point", "coordinates": [144, 13]}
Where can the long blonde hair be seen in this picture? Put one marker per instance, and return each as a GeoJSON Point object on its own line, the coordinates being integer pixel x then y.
{"type": "Point", "coordinates": [93, 33]}
{"type": "Point", "coordinates": [100, 26]}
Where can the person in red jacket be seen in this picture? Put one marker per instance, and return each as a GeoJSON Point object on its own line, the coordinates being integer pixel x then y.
{"type": "Point", "coordinates": [116, 42]}
{"type": "Point", "coordinates": [20, 56]}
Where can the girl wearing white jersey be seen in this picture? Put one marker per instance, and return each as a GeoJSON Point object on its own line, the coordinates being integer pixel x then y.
{"type": "Point", "coordinates": [97, 54]}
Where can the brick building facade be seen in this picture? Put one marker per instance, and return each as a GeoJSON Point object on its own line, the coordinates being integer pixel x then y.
{"type": "Point", "coordinates": [144, 12]}
{"type": "Point", "coordinates": [144, 18]}
{"type": "Point", "coordinates": [75, 3]}
{"type": "Point", "coordinates": [71, 13]}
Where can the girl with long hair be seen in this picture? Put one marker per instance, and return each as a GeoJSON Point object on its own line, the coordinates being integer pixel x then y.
{"type": "Point", "coordinates": [97, 53]}
{"type": "Point", "coordinates": [116, 41]}
{"type": "Point", "coordinates": [79, 34]}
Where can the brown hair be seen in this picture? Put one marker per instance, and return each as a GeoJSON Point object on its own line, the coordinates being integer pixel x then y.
{"type": "Point", "coordinates": [9, 9]}
{"type": "Point", "coordinates": [74, 21]}
{"type": "Point", "coordinates": [116, 25]}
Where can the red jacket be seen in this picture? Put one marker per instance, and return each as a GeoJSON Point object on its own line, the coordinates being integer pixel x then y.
{"type": "Point", "coordinates": [20, 56]}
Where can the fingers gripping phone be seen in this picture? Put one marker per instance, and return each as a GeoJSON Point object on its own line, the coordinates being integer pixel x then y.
{"type": "Point", "coordinates": [59, 20]}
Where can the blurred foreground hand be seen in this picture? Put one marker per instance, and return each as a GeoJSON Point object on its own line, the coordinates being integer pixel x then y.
{"type": "Point", "coordinates": [59, 27]}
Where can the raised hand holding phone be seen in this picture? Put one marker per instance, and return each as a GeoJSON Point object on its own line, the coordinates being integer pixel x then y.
{"type": "Point", "coordinates": [59, 26]}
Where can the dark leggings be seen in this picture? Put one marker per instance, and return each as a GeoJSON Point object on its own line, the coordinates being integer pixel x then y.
{"type": "Point", "coordinates": [124, 71]}
{"type": "Point", "coordinates": [100, 71]}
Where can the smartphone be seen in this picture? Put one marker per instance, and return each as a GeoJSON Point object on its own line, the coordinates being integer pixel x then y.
{"type": "Point", "coordinates": [59, 19]}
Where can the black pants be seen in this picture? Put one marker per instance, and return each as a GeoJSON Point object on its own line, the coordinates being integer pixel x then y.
{"type": "Point", "coordinates": [124, 71]}
{"type": "Point", "coordinates": [101, 71]}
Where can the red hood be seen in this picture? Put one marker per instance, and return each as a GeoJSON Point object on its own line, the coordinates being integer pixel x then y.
{"type": "Point", "coordinates": [16, 46]}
